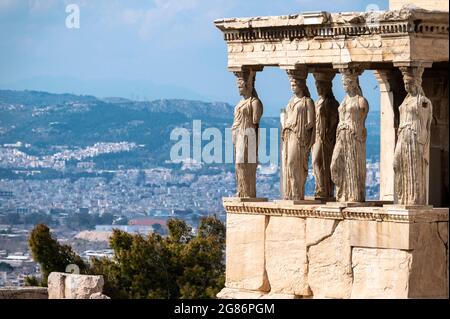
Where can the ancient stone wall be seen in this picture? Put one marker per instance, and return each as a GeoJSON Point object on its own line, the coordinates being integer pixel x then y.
{"type": "Point", "coordinates": [313, 251]}
{"type": "Point", "coordinates": [23, 293]}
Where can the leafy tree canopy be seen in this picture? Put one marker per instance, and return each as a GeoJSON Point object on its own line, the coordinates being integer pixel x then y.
{"type": "Point", "coordinates": [179, 265]}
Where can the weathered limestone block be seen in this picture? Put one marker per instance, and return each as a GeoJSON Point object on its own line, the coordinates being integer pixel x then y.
{"type": "Point", "coordinates": [98, 295]}
{"type": "Point", "coordinates": [245, 260]}
{"type": "Point", "coordinates": [286, 262]}
{"type": "Point", "coordinates": [443, 234]}
{"type": "Point", "coordinates": [71, 286]}
{"type": "Point", "coordinates": [231, 293]}
{"type": "Point", "coordinates": [280, 296]}
{"type": "Point", "coordinates": [428, 273]}
{"type": "Point", "coordinates": [23, 293]}
{"type": "Point", "coordinates": [374, 234]}
{"type": "Point", "coordinates": [82, 286]}
{"type": "Point", "coordinates": [56, 284]}
{"type": "Point", "coordinates": [318, 229]}
{"type": "Point", "coordinates": [416, 267]}
{"type": "Point", "coordinates": [330, 271]}
{"type": "Point", "coordinates": [380, 273]}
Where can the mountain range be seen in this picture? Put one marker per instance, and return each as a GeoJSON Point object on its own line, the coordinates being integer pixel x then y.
{"type": "Point", "coordinates": [47, 121]}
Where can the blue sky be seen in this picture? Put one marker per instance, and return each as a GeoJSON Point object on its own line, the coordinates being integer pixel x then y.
{"type": "Point", "coordinates": [144, 50]}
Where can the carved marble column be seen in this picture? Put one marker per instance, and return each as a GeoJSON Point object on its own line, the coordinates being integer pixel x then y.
{"type": "Point", "coordinates": [348, 163]}
{"type": "Point", "coordinates": [392, 94]}
{"type": "Point", "coordinates": [326, 123]}
{"type": "Point", "coordinates": [298, 134]}
{"type": "Point", "coordinates": [412, 151]}
{"type": "Point", "coordinates": [247, 115]}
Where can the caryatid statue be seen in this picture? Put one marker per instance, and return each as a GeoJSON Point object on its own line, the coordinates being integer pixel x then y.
{"type": "Point", "coordinates": [327, 118]}
{"type": "Point", "coordinates": [247, 115]}
{"type": "Point", "coordinates": [298, 134]}
{"type": "Point", "coordinates": [411, 155]}
{"type": "Point", "coordinates": [348, 163]}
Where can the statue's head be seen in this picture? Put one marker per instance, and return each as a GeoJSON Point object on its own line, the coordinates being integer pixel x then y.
{"type": "Point", "coordinates": [412, 78]}
{"type": "Point", "coordinates": [324, 83]}
{"type": "Point", "coordinates": [350, 81]}
{"type": "Point", "coordinates": [298, 86]}
{"type": "Point", "coordinates": [297, 79]}
{"type": "Point", "coordinates": [246, 83]}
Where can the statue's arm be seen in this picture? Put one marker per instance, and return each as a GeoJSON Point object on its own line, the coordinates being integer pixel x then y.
{"type": "Point", "coordinates": [257, 110]}
{"type": "Point", "coordinates": [364, 105]}
{"type": "Point", "coordinates": [311, 125]}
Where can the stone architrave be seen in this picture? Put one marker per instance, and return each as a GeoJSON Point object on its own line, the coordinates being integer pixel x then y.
{"type": "Point", "coordinates": [412, 151]}
{"type": "Point", "coordinates": [297, 136]}
{"type": "Point", "coordinates": [348, 163]}
{"type": "Point", "coordinates": [327, 118]}
{"type": "Point", "coordinates": [247, 115]}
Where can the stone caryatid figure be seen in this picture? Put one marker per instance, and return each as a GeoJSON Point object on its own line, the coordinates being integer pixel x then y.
{"type": "Point", "coordinates": [348, 163]}
{"type": "Point", "coordinates": [411, 156]}
{"type": "Point", "coordinates": [247, 115]}
{"type": "Point", "coordinates": [327, 118]}
{"type": "Point", "coordinates": [298, 134]}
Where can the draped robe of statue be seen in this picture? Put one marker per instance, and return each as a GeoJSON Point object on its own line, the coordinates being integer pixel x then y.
{"type": "Point", "coordinates": [247, 115]}
{"type": "Point", "coordinates": [412, 150]}
{"type": "Point", "coordinates": [326, 124]}
{"type": "Point", "coordinates": [298, 137]}
{"type": "Point", "coordinates": [348, 163]}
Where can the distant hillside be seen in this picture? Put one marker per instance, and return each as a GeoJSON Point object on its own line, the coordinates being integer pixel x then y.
{"type": "Point", "coordinates": [45, 120]}
{"type": "Point", "coordinates": [49, 121]}
{"type": "Point", "coordinates": [186, 107]}
{"type": "Point", "coordinates": [37, 98]}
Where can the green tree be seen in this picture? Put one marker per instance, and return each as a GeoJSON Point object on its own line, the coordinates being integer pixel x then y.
{"type": "Point", "coordinates": [180, 265]}
{"type": "Point", "coordinates": [204, 268]}
{"type": "Point", "coordinates": [51, 255]}
{"type": "Point", "coordinates": [32, 281]}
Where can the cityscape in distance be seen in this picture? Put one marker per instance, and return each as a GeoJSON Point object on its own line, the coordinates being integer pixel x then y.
{"type": "Point", "coordinates": [85, 165]}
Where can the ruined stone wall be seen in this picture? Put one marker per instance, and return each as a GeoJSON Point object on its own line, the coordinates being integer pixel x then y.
{"type": "Point", "coordinates": [23, 293]}
{"type": "Point", "coordinates": [328, 252]}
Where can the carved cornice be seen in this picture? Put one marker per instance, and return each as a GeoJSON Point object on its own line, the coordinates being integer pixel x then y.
{"type": "Point", "coordinates": [326, 25]}
{"type": "Point", "coordinates": [330, 212]}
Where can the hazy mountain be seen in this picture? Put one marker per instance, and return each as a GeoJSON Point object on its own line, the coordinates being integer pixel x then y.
{"type": "Point", "coordinates": [49, 121]}
{"type": "Point", "coordinates": [46, 120]}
